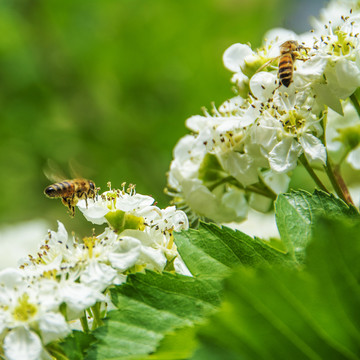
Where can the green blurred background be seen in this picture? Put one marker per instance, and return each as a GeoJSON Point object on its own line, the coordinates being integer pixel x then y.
{"type": "Point", "coordinates": [108, 84]}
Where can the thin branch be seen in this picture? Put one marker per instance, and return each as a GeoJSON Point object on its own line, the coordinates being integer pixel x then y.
{"type": "Point", "coordinates": [338, 182]}
{"type": "Point", "coordinates": [252, 188]}
{"type": "Point", "coordinates": [312, 173]}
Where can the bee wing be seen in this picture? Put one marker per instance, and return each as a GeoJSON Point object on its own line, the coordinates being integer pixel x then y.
{"type": "Point", "coordinates": [53, 171]}
{"type": "Point", "coordinates": [77, 169]}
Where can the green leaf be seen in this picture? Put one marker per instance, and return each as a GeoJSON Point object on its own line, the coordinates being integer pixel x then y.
{"type": "Point", "coordinates": [311, 313]}
{"type": "Point", "coordinates": [176, 345]}
{"type": "Point", "coordinates": [212, 251]}
{"type": "Point", "coordinates": [151, 305]}
{"type": "Point", "coordinates": [297, 214]}
{"type": "Point", "coordinates": [76, 344]}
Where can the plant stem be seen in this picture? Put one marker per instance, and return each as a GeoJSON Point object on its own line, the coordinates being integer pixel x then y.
{"type": "Point", "coordinates": [338, 183]}
{"type": "Point", "coordinates": [264, 192]}
{"type": "Point", "coordinates": [355, 102]}
{"type": "Point", "coordinates": [333, 171]}
{"type": "Point", "coordinates": [96, 313]}
{"type": "Point", "coordinates": [312, 173]}
{"type": "Point", "coordinates": [220, 182]}
{"type": "Point", "coordinates": [231, 180]}
{"type": "Point", "coordinates": [84, 323]}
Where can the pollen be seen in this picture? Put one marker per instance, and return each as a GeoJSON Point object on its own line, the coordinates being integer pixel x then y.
{"type": "Point", "coordinates": [24, 311]}
{"type": "Point", "coordinates": [90, 243]}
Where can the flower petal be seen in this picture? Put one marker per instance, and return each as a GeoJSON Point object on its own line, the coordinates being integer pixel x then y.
{"type": "Point", "coordinates": [22, 344]}
{"type": "Point", "coordinates": [283, 157]}
{"type": "Point", "coordinates": [235, 55]}
{"type": "Point", "coordinates": [153, 258]}
{"type": "Point", "coordinates": [354, 158]}
{"type": "Point", "coordinates": [126, 253]}
{"type": "Point", "coordinates": [53, 327]}
{"type": "Point", "coordinates": [98, 276]}
{"type": "Point", "coordinates": [313, 148]}
{"type": "Point", "coordinates": [263, 84]}
{"type": "Point", "coordinates": [94, 212]}
{"type": "Point", "coordinates": [79, 297]}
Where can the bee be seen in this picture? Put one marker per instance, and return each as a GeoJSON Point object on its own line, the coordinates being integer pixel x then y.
{"type": "Point", "coordinates": [71, 191]}
{"type": "Point", "coordinates": [289, 52]}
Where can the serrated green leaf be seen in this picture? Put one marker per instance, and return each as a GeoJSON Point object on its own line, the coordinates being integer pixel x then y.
{"type": "Point", "coordinates": [297, 213]}
{"type": "Point", "coordinates": [211, 250]}
{"type": "Point", "coordinates": [151, 305]}
{"type": "Point", "coordinates": [185, 297]}
{"type": "Point", "coordinates": [311, 313]}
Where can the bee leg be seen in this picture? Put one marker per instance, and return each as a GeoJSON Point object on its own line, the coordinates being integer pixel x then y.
{"type": "Point", "coordinates": [71, 206]}
{"type": "Point", "coordinates": [72, 210]}
{"type": "Point", "coordinates": [267, 63]}
{"type": "Point", "coordinates": [86, 200]}
{"type": "Point", "coordinates": [68, 203]}
{"type": "Point", "coordinates": [65, 201]}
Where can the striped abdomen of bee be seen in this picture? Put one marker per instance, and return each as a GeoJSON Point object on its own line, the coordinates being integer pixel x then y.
{"type": "Point", "coordinates": [286, 68]}
{"type": "Point", "coordinates": [288, 55]}
{"type": "Point", "coordinates": [71, 191]}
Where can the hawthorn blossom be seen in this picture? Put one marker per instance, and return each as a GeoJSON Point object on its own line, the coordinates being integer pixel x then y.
{"type": "Point", "coordinates": [30, 316]}
{"type": "Point", "coordinates": [268, 128]}
{"type": "Point", "coordinates": [140, 233]}
{"type": "Point", "coordinates": [69, 275]}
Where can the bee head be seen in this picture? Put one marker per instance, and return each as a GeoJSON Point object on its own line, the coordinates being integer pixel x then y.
{"type": "Point", "coordinates": [290, 45]}
{"type": "Point", "coordinates": [93, 190]}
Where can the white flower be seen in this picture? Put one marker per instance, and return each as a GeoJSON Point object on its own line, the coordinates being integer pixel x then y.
{"type": "Point", "coordinates": [141, 236]}
{"type": "Point", "coordinates": [30, 315]}
{"type": "Point", "coordinates": [339, 47]}
{"type": "Point", "coordinates": [268, 128]}
{"type": "Point", "coordinates": [52, 253]}
{"type": "Point", "coordinates": [334, 13]}
{"type": "Point", "coordinates": [287, 126]}
{"type": "Point", "coordinates": [97, 210]}
{"type": "Point", "coordinates": [185, 171]}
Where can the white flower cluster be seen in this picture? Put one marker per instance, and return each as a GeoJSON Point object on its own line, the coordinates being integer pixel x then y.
{"type": "Point", "coordinates": [243, 153]}
{"type": "Point", "coordinates": [43, 300]}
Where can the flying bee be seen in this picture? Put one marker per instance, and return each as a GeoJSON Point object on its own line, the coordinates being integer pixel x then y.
{"type": "Point", "coordinates": [71, 191]}
{"type": "Point", "coordinates": [289, 52]}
